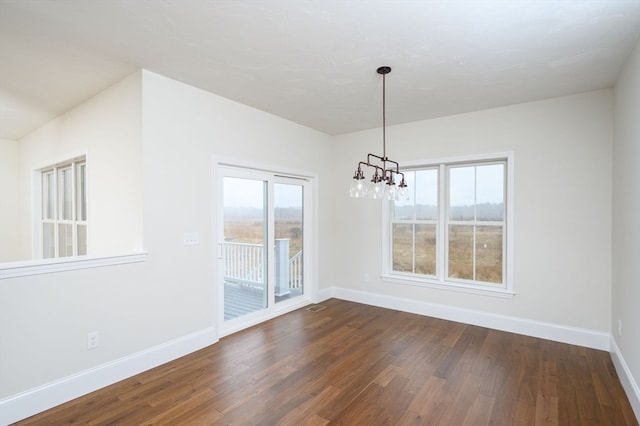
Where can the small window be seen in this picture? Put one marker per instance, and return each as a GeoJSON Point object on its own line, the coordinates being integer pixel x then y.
{"type": "Point", "coordinates": [64, 209]}
{"type": "Point", "coordinates": [453, 229]}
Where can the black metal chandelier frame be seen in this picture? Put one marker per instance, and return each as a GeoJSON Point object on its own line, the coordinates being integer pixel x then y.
{"type": "Point", "coordinates": [384, 168]}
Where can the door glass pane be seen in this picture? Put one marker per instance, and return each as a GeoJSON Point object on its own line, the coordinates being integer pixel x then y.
{"type": "Point", "coordinates": [461, 251]}
{"type": "Point", "coordinates": [288, 226]}
{"type": "Point", "coordinates": [245, 260]}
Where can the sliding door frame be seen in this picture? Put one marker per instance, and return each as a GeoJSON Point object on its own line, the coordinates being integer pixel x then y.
{"type": "Point", "coordinates": [277, 174]}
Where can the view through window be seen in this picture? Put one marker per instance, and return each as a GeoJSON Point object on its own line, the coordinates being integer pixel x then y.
{"type": "Point", "coordinates": [452, 228]}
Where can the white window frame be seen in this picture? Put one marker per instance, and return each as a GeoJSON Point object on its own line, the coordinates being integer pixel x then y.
{"type": "Point", "coordinates": [55, 218]}
{"type": "Point", "coordinates": [440, 280]}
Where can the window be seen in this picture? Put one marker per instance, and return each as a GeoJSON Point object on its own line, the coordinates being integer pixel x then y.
{"type": "Point", "coordinates": [455, 229]}
{"type": "Point", "coordinates": [64, 209]}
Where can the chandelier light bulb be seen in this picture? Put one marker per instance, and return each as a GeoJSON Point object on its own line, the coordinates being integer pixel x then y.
{"type": "Point", "coordinates": [402, 194]}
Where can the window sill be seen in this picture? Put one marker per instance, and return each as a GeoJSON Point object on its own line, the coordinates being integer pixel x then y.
{"type": "Point", "coordinates": [48, 266]}
{"type": "Point", "coordinates": [449, 286]}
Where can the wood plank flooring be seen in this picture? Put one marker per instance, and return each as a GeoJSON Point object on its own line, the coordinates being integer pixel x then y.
{"type": "Point", "coordinates": [352, 364]}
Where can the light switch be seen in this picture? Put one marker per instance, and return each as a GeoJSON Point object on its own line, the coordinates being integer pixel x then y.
{"type": "Point", "coordinates": [191, 238]}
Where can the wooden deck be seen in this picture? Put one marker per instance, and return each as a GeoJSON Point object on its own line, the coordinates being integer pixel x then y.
{"type": "Point", "coordinates": [239, 301]}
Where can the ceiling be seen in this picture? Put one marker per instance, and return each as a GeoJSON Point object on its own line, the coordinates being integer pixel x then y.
{"type": "Point", "coordinates": [313, 62]}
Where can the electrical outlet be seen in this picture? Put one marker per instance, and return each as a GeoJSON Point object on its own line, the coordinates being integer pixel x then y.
{"type": "Point", "coordinates": [365, 277]}
{"type": "Point", "coordinates": [619, 327]}
{"type": "Point", "coordinates": [93, 340]}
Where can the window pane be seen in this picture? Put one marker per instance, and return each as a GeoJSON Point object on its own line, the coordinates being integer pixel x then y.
{"type": "Point", "coordinates": [404, 210]}
{"type": "Point", "coordinates": [402, 247]}
{"type": "Point", "coordinates": [64, 192]}
{"type": "Point", "coordinates": [490, 192]}
{"type": "Point", "coordinates": [81, 192]}
{"type": "Point", "coordinates": [461, 252]}
{"type": "Point", "coordinates": [462, 193]}
{"type": "Point", "coordinates": [65, 240]}
{"type": "Point", "coordinates": [489, 254]}
{"type": "Point", "coordinates": [425, 249]}
{"type": "Point", "coordinates": [426, 194]}
{"type": "Point", "coordinates": [48, 241]}
{"type": "Point", "coordinates": [82, 240]}
{"type": "Point", "coordinates": [48, 196]}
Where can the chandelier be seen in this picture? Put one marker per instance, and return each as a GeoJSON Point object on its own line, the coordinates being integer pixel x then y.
{"type": "Point", "coordinates": [385, 171]}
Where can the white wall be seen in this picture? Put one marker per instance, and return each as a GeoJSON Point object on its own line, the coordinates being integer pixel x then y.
{"type": "Point", "coordinates": [563, 151]}
{"type": "Point", "coordinates": [563, 159]}
{"type": "Point", "coordinates": [107, 128]}
{"type": "Point", "coordinates": [10, 242]}
{"type": "Point", "coordinates": [181, 138]}
{"type": "Point", "coordinates": [626, 213]}
{"type": "Point", "coordinates": [44, 319]}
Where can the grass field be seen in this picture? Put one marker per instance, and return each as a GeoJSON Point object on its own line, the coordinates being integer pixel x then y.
{"type": "Point", "coordinates": [252, 231]}
{"type": "Point", "coordinates": [488, 246]}
{"type": "Point", "coordinates": [488, 251]}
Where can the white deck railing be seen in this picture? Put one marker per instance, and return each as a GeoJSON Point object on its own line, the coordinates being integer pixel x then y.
{"type": "Point", "coordinates": [295, 271]}
{"type": "Point", "coordinates": [244, 265]}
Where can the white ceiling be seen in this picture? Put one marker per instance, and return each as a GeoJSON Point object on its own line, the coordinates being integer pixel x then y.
{"type": "Point", "coordinates": [313, 62]}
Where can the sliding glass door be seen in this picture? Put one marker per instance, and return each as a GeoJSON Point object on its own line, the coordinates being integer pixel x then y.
{"type": "Point", "coordinates": [245, 237]}
{"type": "Point", "coordinates": [262, 246]}
{"type": "Point", "coordinates": [289, 236]}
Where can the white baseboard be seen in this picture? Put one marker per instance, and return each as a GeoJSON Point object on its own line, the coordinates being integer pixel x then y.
{"type": "Point", "coordinates": [556, 332]}
{"type": "Point", "coordinates": [324, 294]}
{"type": "Point", "coordinates": [33, 401]}
{"type": "Point", "coordinates": [626, 378]}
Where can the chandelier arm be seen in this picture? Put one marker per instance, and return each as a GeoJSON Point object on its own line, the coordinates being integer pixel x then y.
{"type": "Point", "coordinates": [373, 155]}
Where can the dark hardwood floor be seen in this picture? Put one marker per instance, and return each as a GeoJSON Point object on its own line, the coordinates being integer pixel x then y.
{"type": "Point", "coordinates": [352, 364]}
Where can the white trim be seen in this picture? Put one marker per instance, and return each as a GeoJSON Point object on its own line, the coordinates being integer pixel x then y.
{"type": "Point", "coordinates": [459, 159]}
{"type": "Point", "coordinates": [629, 384]}
{"type": "Point", "coordinates": [256, 318]}
{"type": "Point", "coordinates": [324, 294]}
{"type": "Point", "coordinates": [33, 401]}
{"type": "Point", "coordinates": [528, 327]}
{"type": "Point", "coordinates": [274, 169]}
{"type": "Point", "coordinates": [507, 288]}
{"type": "Point", "coordinates": [448, 285]}
{"type": "Point", "coordinates": [61, 264]}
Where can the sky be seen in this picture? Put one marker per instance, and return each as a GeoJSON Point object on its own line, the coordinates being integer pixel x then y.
{"type": "Point", "coordinates": [240, 192]}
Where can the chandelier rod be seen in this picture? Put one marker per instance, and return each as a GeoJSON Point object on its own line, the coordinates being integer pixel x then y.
{"type": "Point", "coordinates": [384, 118]}
{"type": "Point", "coordinates": [384, 71]}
